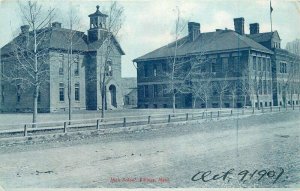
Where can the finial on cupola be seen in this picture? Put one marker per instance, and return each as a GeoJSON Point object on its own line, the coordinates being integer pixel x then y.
{"type": "Point", "coordinates": [97, 7]}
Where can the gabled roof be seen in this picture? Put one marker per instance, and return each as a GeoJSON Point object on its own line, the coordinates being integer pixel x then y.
{"type": "Point", "coordinates": [58, 38]}
{"type": "Point", "coordinates": [51, 38]}
{"type": "Point", "coordinates": [221, 40]}
{"type": "Point", "coordinates": [263, 37]}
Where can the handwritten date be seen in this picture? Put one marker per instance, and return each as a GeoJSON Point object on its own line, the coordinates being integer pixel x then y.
{"type": "Point", "coordinates": [242, 176]}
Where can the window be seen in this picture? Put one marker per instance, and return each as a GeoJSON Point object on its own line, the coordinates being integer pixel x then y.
{"type": "Point", "coordinates": [108, 68]}
{"type": "Point", "coordinates": [265, 87]}
{"type": "Point", "coordinates": [225, 64]}
{"type": "Point", "coordinates": [155, 90]}
{"type": "Point", "coordinates": [279, 88]}
{"type": "Point", "coordinates": [146, 91]}
{"type": "Point", "coordinates": [269, 65]}
{"type": "Point", "coordinates": [39, 97]}
{"type": "Point", "coordinates": [77, 92]}
{"type": "Point", "coordinates": [259, 64]}
{"type": "Point", "coordinates": [235, 63]}
{"type": "Point", "coordinates": [165, 90]}
{"type": "Point", "coordinates": [18, 93]}
{"type": "Point", "coordinates": [61, 92]}
{"type": "Point", "coordinates": [254, 63]}
{"type": "Point", "coordinates": [263, 64]}
{"type": "Point", "coordinates": [203, 67]}
{"type": "Point", "coordinates": [154, 70]}
{"type": "Point", "coordinates": [76, 62]}
{"type": "Point", "coordinates": [213, 65]}
{"type": "Point", "coordinates": [2, 93]}
{"type": "Point", "coordinates": [164, 68]}
{"type": "Point", "coordinates": [2, 67]}
{"type": "Point", "coordinates": [283, 67]}
{"type": "Point", "coordinates": [61, 64]}
{"type": "Point", "coordinates": [260, 86]}
{"type": "Point", "coordinates": [145, 71]}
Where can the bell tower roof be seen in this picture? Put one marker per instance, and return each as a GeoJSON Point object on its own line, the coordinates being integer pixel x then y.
{"type": "Point", "coordinates": [98, 13]}
{"type": "Point", "coordinates": [97, 29]}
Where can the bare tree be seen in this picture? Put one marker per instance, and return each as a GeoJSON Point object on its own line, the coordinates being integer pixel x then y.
{"type": "Point", "coordinates": [247, 85]}
{"type": "Point", "coordinates": [202, 88]}
{"type": "Point", "coordinates": [73, 37]}
{"type": "Point", "coordinates": [256, 83]}
{"type": "Point", "coordinates": [233, 92]}
{"type": "Point", "coordinates": [201, 79]}
{"type": "Point", "coordinates": [288, 81]}
{"type": "Point", "coordinates": [175, 75]}
{"type": "Point", "coordinates": [222, 87]}
{"type": "Point", "coordinates": [113, 26]}
{"type": "Point", "coordinates": [31, 66]}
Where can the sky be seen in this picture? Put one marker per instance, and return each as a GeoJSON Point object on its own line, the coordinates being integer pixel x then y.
{"type": "Point", "coordinates": [149, 25]}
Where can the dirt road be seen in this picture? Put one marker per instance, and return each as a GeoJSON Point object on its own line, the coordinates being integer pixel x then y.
{"type": "Point", "coordinates": [257, 151]}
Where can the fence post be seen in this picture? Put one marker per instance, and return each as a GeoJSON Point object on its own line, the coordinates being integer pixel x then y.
{"type": "Point", "coordinates": [252, 110]}
{"type": "Point", "coordinates": [211, 113]}
{"type": "Point", "coordinates": [231, 112]}
{"type": "Point", "coordinates": [293, 107]}
{"type": "Point", "coordinates": [203, 115]}
{"type": "Point", "coordinates": [218, 113]}
{"type": "Point", "coordinates": [186, 116]}
{"type": "Point", "coordinates": [124, 122]}
{"type": "Point", "coordinates": [279, 108]}
{"type": "Point", "coordinates": [169, 118]}
{"type": "Point", "coordinates": [149, 118]}
{"type": "Point", "coordinates": [25, 130]}
{"type": "Point", "coordinates": [98, 124]}
{"type": "Point", "coordinates": [65, 127]}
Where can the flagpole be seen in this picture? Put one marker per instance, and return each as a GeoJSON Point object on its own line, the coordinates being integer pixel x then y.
{"type": "Point", "coordinates": [271, 10]}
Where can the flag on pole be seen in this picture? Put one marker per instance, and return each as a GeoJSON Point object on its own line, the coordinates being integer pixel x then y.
{"type": "Point", "coordinates": [271, 8]}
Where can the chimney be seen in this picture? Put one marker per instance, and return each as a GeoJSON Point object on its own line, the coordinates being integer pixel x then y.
{"type": "Point", "coordinates": [194, 30]}
{"type": "Point", "coordinates": [25, 29]}
{"type": "Point", "coordinates": [254, 28]}
{"type": "Point", "coordinates": [56, 25]}
{"type": "Point", "coordinates": [239, 25]}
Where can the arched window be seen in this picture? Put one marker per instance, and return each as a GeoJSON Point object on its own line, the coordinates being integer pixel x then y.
{"type": "Point", "coordinates": [108, 69]}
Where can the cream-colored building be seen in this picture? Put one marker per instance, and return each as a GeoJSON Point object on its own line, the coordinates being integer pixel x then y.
{"type": "Point", "coordinates": [84, 72]}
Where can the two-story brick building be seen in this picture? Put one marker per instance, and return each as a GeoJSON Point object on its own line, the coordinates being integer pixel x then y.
{"type": "Point", "coordinates": [88, 52]}
{"type": "Point", "coordinates": [232, 56]}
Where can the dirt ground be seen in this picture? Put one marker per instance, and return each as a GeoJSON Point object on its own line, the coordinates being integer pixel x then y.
{"type": "Point", "coordinates": [209, 154]}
